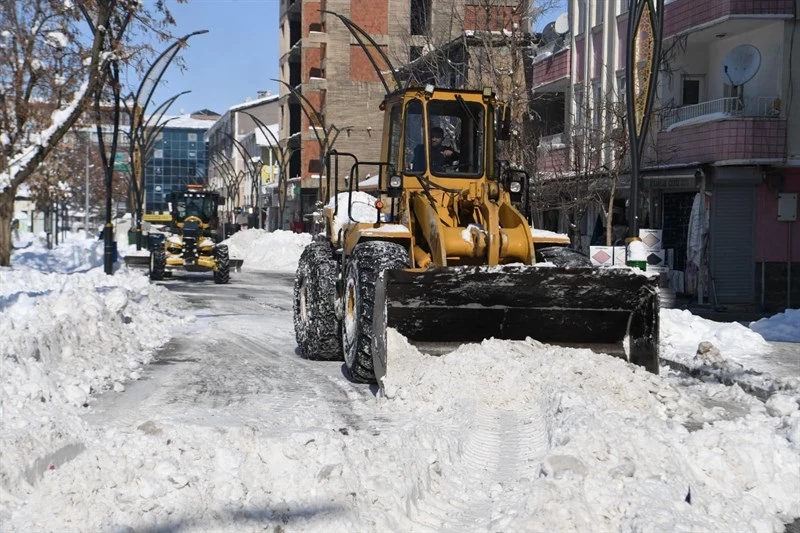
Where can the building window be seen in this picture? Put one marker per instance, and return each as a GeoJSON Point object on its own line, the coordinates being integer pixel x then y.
{"type": "Point", "coordinates": [580, 112]}
{"type": "Point", "coordinates": [599, 11]}
{"type": "Point", "coordinates": [581, 16]}
{"type": "Point", "coordinates": [158, 154]}
{"type": "Point", "coordinates": [622, 89]}
{"type": "Point", "coordinates": [192, 137]}
{"type": "Point", "coordinates": [420, 16]}
{"type": "Point", "coordinates": [597, 104]}
{"type": "Point", "coordinates": [691, 92]}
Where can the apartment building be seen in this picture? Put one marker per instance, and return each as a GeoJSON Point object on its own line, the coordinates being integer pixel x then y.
{"type": "Point", "coordinates": [331, 88]}
{"type": "Point", "coordinates": [228, 140]}
{"type": "Point", "coordinates": [726, 127]}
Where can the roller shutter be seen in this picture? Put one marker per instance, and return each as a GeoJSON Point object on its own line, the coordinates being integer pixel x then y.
{"type": "Point", "coordinates": [732, 244]}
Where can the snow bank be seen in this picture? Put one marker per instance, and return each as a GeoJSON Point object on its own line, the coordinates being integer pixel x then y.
{"type": "Point", "coordinates": [276, 251]}
{"type": "Point", "coordinates": [607, 447]}
{"type": "Point", "coordinates": [682, 332]}
{"type": "Point", "coordinates": [68, 330]}
{"type": "Point", "coordinates": [782, 327]}
{"type": "Point", "coordinates": [76, 254]}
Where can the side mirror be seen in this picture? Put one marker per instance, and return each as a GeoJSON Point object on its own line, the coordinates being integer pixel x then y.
{"type": "Point", "coordinates": [503, 122]}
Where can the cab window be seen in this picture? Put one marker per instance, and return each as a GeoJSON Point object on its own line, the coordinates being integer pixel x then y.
{"type": "Point", "coordinates": [395, 129]}
{"type": "Point", "coordinates": [414, 138]}
{"type": "Point", "coordinates": [460, 127]}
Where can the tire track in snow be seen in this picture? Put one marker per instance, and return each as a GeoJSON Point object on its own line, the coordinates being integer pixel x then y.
{"type": "Point", "coordinates": [503, 449]}
{"type": "Point", "coordinates": [229, 366]}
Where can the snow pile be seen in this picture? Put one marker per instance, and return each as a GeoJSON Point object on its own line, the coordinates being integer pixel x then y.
{"type": "Point", "coordinates": [65, 336]}
{"type": "Point", "coordinates": [682, 332]}
{"type": "Point", "coordinates": [731, 351]}
{"type": "Point", "coordinates": [76, 254]}
{"type": "Point", "coordinates": [606, 446]}
{"type": "Point", "coordinates": [496, 436]}
{"type": "Point", "coordinates": [276, 251]}
{"type": "Point", "coordinates": [779, 328]}
{"type": "Point", "coordinates": [361, 209]}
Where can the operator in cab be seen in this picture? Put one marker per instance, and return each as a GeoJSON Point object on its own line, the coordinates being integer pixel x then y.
{"type": "Point", "coordinates": [441, 155]}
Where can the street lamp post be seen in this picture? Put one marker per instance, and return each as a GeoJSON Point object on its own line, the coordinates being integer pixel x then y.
{"type": "Point", "coordinates": [140, 142]}
{"type": "Point", "coordinates": [86, 199]}
{"type": "Point", "coordinates": [258, 165]}
{"type": "Point", "coordinates": [642, 60]}
{"type": "Point", "coordinates": [283, 153]}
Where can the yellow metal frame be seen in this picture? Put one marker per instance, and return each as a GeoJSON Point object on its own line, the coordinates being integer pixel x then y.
{"type": "Point", "coordinates": [432, 213]}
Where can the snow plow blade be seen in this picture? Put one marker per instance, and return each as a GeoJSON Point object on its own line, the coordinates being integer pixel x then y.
{"type": "Point", "coordinates": [582, 307]}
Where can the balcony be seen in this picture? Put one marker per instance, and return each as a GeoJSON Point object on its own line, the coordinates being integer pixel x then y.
{"type": "Point", "coordinates": [553, 157]}
{"type": "Point", "coordinates": [746, 139]}
{"type": "Point", "coordinates": [553, 142]}
{"type": "Point", "coordinates": [721, 108]}
{"type": "Point", "coordinates": [684, 15]}
{"type": "Point", "coordinates": [552, 68]}
{"type": "Point", "coordinates": [291, 9]}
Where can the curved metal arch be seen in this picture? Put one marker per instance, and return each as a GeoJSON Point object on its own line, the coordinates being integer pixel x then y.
{"type": "Point", "coordinates": [161, 109]}
{"type": "Point", "coordinates": [149, 83]}
{"type": "Point", "coordinates": [266, 131]}
{"type": "Point", "coordinates": [317, 115]}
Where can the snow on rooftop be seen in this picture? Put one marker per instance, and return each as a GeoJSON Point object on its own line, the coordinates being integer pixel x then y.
{"type": "Point", "coordinates": [187, 122]}
{"type": "Point", "coordinates": [254, 102]}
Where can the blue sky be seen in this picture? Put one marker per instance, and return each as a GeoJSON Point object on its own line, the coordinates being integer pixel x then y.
{"type": "Point", "coordinates": [237, 58]}
{"type": "Point", "coordinates": [550, 16]}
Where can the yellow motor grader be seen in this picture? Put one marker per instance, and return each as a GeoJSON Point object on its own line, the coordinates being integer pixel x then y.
{"type": "Point", "coordinates": [191, 245]}
{"type": "Point", "coordinates": [438, 250]}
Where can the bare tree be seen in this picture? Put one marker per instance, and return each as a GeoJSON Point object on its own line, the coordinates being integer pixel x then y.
{"type": "Point", "coordinates": [477, 44]}
{"type": "Point", "coordinates": [59, 170]}
{"type": "Point", "coordinates": [53, 56]}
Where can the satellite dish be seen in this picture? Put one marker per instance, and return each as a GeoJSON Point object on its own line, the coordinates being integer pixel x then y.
{"type": "Point", "coordinates": [562, 24]}
{"type": "Point", "coordinates": [741, 64]}
{"type": "Point", "coordinates": [549, 33]}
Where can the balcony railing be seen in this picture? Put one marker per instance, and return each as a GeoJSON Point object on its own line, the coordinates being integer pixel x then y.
{"type": "Point", "coordinates": [757, 106]}
{"type": "Point", "coordinates": [553, 142]}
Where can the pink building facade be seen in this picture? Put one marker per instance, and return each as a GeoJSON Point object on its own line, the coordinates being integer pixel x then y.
{"type": "Point", "coordinates": [736, 141]}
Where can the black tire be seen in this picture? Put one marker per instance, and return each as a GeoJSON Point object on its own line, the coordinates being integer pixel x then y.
{"type": "Point", "coordinates": [367, 261]}
{"type": "Point", "coordinates": [562, 256]}
{"type": "Point", "coordinates": [158, 264]}
{"type": "Point", "coordinates": [316, 328]}
{"type": "Point", "coordinates": [222, 274]}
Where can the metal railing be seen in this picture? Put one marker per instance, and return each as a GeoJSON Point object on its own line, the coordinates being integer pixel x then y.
{"type": "Point", "coordinates": [555, 141]}
{"type": "Point", "coordinates": [756, 106]}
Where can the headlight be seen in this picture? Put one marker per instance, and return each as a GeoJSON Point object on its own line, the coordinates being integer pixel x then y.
{"type": "Point", "coordinates": [515, 186]}
{"type": "Point", "coordinates": [395, 182]}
